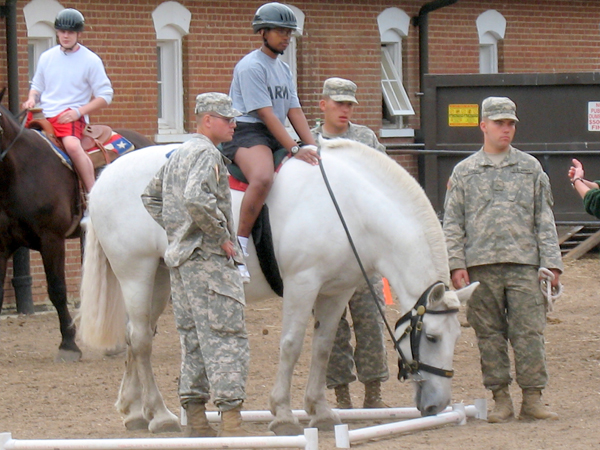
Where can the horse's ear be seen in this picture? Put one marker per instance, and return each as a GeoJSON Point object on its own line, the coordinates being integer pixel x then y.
{"type": "Point", "coordinates": [436, 294]}
{"type": "Point", "coordinates": [465, 293]}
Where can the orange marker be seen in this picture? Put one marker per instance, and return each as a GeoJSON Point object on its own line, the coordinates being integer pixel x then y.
{"type": "Point", "coordinates": [387, 292]}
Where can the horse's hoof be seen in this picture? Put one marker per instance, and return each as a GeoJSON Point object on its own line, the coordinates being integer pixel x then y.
{"type": "Point", "coordinates": [164, 426]}
{"type": "Point", "coordinates": [325, 424]}
{"type": "Point", "coordinates": [286, 428]}
{"type": "Point", "coordinates": [67, 356]}
{"type": "Point", "coordinates": [136, 424]}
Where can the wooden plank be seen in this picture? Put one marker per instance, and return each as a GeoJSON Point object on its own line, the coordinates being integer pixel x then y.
{"type": "Point", "coordinates": [569, 234]}
{"type": "Point", "coordinates": [584, 247]}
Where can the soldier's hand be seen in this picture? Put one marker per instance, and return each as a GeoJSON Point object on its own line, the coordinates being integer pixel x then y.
{"type": "Point", "coordinates": [576, 170]}
{"type": "Point", "coordinates": [229, 249]}
{"type": "Point", "coordinates": [460, 278]}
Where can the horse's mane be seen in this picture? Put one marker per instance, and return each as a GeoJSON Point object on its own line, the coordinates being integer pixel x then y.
{"type": "Point", "coordinates": [395, 174]}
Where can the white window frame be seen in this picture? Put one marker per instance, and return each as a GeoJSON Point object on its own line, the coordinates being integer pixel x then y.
{"type": "Point", "coordinates": [39, 19]}
{"type": "Point", "coordinates": [394, 25]}
{"type": "Point", "coordinates": [172, 24]}
{"type": "Point", "coordinates": [491, 26]}
{"type": "Point", "coordinates": [290, 57]}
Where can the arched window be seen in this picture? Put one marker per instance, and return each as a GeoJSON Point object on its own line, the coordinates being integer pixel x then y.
{"type": "Point", "coordinates": [394, 25]}
{"type": "Point", "coordinates": [171, 23]}
{"type": "Point", "coordinates": [39, 18]}
{"type": "Point", "coordinates": [491, 26]}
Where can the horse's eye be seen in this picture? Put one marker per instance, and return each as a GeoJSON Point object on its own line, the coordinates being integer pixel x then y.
{"type": "Point", "coordinates": [431, 338]}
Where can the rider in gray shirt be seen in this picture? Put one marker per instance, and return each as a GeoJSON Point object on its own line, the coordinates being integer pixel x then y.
{"type": "Point", "coordinates": [263, 90]}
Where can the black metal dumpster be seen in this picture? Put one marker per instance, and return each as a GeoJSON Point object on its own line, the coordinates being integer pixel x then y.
{"type": "Point", "coordinates": [559, 119]}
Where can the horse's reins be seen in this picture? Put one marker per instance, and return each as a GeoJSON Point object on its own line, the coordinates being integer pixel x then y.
{"type": "Point", "coordinates": [415, 314]}
{"type": "Point", "coordinates": [5, 151]}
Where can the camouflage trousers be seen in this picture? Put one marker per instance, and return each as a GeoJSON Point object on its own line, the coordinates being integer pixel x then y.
{"type": "Point", "coordinates": [508, 306]}
{"type": "Point", "coordinates": [214, 341]}
{"type": "Point", "coordinates": [369, 356]}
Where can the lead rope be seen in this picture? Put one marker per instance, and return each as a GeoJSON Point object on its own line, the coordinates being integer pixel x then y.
{"type": "Point", "coordinates": [552, 294]}
{"type": "Point", "coordinates": [362, 269]}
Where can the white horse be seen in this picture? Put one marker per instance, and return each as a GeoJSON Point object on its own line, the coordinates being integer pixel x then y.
{"type": "Point", "coordinates": [125, 284]}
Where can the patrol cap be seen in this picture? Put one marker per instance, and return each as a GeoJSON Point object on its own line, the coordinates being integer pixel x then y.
{"type": "Point", "coordinates": [216, 102]}
{"type": "Point", "coordinates": [497, 108]}
{"type": "Point", "coordinates": [340, 90]}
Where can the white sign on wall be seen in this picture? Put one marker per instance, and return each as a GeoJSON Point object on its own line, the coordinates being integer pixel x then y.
{"type": "Point", "coordinates": [593, 116]}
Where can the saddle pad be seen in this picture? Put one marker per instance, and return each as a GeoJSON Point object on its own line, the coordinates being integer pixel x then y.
{"type": "Point", "coordinates": [116, 143]}
{"type": "Point", "coordinates": [61, 154]}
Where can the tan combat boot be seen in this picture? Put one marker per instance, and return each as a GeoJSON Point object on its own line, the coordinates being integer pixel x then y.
{"type": "Point", "coordinates": [342, 395]}
{"type": "Point", "coordinates": [231, 424]}
{"type": "Point", "coordinates": [197, 423]}
{"type": "Point", "coordinates": [533, 408]}
{"type": "Point", "coordinates": [503, 408]}
{"type": "Point", "coordinates": [373, 395]}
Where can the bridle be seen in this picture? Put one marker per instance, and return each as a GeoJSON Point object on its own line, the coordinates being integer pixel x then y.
{"type": "Point", "coordinates": [413, 332]}
{"type": "Point", "coordinates": [12, 143]}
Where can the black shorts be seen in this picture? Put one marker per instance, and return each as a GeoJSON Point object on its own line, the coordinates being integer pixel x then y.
{"type": "Point", "coordinates": [248, 135]}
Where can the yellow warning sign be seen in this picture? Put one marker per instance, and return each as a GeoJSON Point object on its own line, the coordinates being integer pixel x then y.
{"type": "Point", "coordinates": [463, 115]}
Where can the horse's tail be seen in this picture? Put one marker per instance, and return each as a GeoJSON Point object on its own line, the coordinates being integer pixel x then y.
{"type": "Point", "coordinates": [102, 315]}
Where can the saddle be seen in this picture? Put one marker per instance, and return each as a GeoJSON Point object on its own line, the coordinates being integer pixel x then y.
{"type": "Point", "coordinates": [94, 137]}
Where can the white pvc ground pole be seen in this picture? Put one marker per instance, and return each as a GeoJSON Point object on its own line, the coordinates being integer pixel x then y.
{"type": "Point", "coordinates": [308, 441]}
{"type": "Point", "coordinates": [458, 415]}
{"type": "Point", "coordinates": [345, 414]}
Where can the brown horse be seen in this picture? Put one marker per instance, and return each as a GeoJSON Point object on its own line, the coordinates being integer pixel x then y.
{"type": "Point", "coordinates": [40, 207]}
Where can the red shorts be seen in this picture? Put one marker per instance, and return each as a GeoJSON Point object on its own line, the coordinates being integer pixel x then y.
{"type": "Point", "coordinates": [66, 129]}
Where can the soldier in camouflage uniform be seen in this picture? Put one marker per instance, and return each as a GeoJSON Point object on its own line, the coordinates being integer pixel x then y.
{"type": "Point", "coordinates": [190, 198]}
{"type": "Point", "coordinates": [369, 356]}
{"type": "Point", "coordinates": [500, 229]}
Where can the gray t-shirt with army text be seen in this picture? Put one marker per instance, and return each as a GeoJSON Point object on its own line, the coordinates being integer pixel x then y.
{"type": "Point", "coordinates": [260, 81]}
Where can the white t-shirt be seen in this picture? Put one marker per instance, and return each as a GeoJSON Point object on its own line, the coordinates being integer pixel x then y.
{"type": "Point", "coordinates": [69, 80]}
{"type": "Point", "coordinates": [260, 81]}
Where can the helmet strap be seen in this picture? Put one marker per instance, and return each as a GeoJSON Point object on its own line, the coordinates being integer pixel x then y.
{"type": "Point", "coordinates": [69, 49]}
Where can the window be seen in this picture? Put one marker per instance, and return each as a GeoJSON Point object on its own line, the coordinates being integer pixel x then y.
{"type": "Point", "coordinates": [39, 18]}
{"type": "Point", "coordinates": [290, 57]}
{"type": "Point", "coordinates": [393, 27]}
{"type": "Point", "coordinates": [172, 23]}
{"type": "Point", "coordinates": [491, 26]}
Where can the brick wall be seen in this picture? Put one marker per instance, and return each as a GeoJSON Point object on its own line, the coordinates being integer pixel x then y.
{"type": "Point", "coordinates": [340, 38]}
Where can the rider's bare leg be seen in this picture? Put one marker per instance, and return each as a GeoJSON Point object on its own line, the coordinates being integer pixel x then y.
{"type": "Point", "coordinates": [257, 165]}
{"type": "Point", "coordinates": [82, 162]}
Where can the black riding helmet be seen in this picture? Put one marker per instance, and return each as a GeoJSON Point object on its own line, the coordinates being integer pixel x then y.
{"type": "Point", "coordinates": [69, 19]}
{"type": "Point", "coordinates": [274, 15]}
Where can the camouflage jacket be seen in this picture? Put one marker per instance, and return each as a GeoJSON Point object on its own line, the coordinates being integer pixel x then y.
{"type": "Point", "coordinates": [500, 214]}
{"type": "Point", "coordinates": [190, 198]}
{"type": "Point", "coordinates": [358, 133]}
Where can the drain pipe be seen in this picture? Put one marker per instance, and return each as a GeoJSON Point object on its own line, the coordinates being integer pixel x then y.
{"type": "Point", "coordinates": [421, 21]}
{"type": "Point", "coordinates": [21, 268]}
